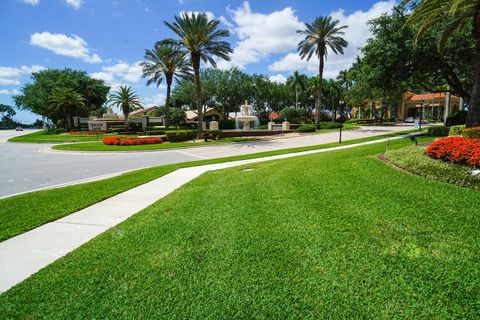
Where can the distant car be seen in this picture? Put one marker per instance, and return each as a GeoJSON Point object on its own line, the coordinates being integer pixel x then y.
{"type": "Point", "coordinates": [18, 129]}
{"type": "Point", "coordinates": [410, 120]}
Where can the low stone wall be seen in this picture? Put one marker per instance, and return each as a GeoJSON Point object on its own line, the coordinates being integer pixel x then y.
{"type": "Point", "coordinates": [252, 133]}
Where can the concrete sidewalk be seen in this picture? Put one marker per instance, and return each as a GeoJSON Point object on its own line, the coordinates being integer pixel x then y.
{"type": "Point", "coordinates": [23, 255]}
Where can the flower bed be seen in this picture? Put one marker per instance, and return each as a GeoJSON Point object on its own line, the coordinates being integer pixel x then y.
{"type": "Point", "coordinates": [87, 133]}
{"type": "Point", "coordinates": [128, 141]}
{"type": "Point", "coordinates": [457, 150]}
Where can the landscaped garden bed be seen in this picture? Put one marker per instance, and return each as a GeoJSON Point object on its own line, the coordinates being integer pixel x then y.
{"type": "Point", "coordinates": [131, 141]}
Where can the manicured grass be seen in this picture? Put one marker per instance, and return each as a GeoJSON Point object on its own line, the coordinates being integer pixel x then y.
{"type": "Point", "coordinates": [346, 126]}
{"type": "Point", "coordinates": [334, 235]}
{"type": "Point", "coordinates": [27, 211]}
{"type": "Point", "coordinates": [99, 146]}
{"type": "Point", "coordinates": [413, 159]}
{"type": "Point", "coordinates": [44, 137]}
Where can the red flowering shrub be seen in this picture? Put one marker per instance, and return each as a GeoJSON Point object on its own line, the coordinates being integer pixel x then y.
{"type": "Point", "coordinates": [456, 149]}
{"type": "Point", "coordinates": [129, 141]}
{"type": "Point", "coordinates": [471, 133]}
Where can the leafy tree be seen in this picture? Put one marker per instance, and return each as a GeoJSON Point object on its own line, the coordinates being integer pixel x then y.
{"type": "Point", "coordinates": [66, 101]}
{"type": "Point", "coordinates": [127, 100]}
{"type": "Point", "coordinates": [178, 117]}
{"type": "Point", "coordinates": [201, 38]}
{"type": "Point", "coordinates": [7, 112]}
{"type": "Point", "coordinates": [459, 14]}
{"type": "Point", "coordinates": [165, 61]}
{"type": "Point", "coordinates": [320, 35]}
{"type": "Point", "coordinates": [297, 82]}
{"type": "Point", "coordinates": [34, 96]}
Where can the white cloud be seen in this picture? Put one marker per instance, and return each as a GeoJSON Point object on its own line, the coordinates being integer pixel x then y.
{"type": "Point", "coordinates": [356, 34]}
{"type": "Point", "coordinates": [32, 2]}
{"type": "Point", "coordinates": [10, 92]}
{"type": "Point", "coordinates": [261, 35]}
{"type": "Point", "coordinates": [76, 4]}
{"type": "Point", "coordinates": [121, 71]}
{"type": "Point", "coordinates": [61, 44]}
{"type": "Point", "coordinates": [279, 78]}
{"type": "Point", "coordinates": [157, 99]}
{"type": "Point", "coordinates": [12, 76]}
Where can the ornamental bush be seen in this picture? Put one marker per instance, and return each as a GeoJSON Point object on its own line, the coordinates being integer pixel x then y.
{"type": "Point", "coordinates": [181, 135]}
{"type": "Point", "coordinates": [306, 128]}
{"type": "Point", "coordinates": [128, 141]}
{"type": "Point", "coordinates": [456, 130]}
{"type": "Point", "coordinates": [456, 149]}
{"type": "Point", "coordinates": [438, 131]}
{"type": "Point", "coordinates": [330, 125]}
{"type": "Point", "coordinates": [471, 133]}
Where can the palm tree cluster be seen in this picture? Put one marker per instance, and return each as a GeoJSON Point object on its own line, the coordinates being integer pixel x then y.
{"type": "Point", "coordinates": [198, 39]}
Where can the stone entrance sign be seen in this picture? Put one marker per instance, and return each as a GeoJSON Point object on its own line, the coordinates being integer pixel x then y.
{"type": "Point", "coordinates": [97, 125]}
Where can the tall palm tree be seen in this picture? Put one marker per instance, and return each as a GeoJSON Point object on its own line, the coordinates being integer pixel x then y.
{"type": "Point", "coordinates": [127, 100]}
{"type": "Point", "coordinates": [320, 35]}
{"type": "Point", "coordinates": [295, 82]}
{"type": "Point", "coordinates": [201, 38]}
{"type": "Point", "coordinates": [458, 14]}
{"type": "Point", "coordinates": [344, 79]}
{"type": "Point", "coordinates": [165, 61]}
{"type": "Point", "coordinates": [66, 101]}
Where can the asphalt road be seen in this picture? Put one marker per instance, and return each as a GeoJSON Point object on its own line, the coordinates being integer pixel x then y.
{"type": "Point", "coordinates": [27, 167]}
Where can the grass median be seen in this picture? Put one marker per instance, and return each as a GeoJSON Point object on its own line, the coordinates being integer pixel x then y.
{"type": "Point", "coordinates": [99, 146]}
{"type": "Point", "coordinates": [27, 211]}
{"type": "Point", "coordinates": [46, 137]}
{"type": "Point", "coordinates": [329, 235]}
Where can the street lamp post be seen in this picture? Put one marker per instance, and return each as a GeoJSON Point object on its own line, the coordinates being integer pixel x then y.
{"type": "Point", "coordinates": [421, 114]}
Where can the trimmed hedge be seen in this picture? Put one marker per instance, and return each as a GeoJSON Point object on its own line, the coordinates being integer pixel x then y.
{"type": "Point", "coordinates": [438, 131]}
{"type": "Point", "coordinates": [211, 134]}
{"type": "Point", "coordinates": [181, 135]}
{"type": "Point", "coordinates": [456, 130]}
{"type": "Point", "coordinates": [226, 124]}
{"type": "Point", "coordinates": [471, 133]}
{"type": "Point", "coordinates": [330, 125]}
{"type": "Point", "coordinates": [306, 128]}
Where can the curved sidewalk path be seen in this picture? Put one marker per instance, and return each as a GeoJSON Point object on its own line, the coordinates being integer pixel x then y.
{"type": "Point", "coordinates": [25, 254]}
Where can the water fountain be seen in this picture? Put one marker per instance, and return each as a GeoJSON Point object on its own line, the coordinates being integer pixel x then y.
{"type": "Point", "coordinates": [246, 120]}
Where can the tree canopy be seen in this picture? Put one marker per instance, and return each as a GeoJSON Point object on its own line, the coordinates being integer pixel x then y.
{"type": "Point", "coordinates": [34, 96]}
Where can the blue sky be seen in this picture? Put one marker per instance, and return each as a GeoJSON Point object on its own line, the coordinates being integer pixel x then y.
{"type": "Point", "coordinates": [107, 38]}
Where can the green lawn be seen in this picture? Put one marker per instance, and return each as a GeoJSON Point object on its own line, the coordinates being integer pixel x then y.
{"type": "Point", "coordinates": [44, 137]}
{"type": "Point", "coordinates": [24, 212]}
{"type": "Point", "coordinates": [99, 146]}
{"type": "Point", "coordinates": [333, 235]}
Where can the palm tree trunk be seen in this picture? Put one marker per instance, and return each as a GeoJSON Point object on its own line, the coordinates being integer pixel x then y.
{"type": "Point", "coordinates": [125, 115]}
{"type": "Point", "coordinates": [198, 90]}
{"type": "Point", "coordinates": [296, 98]}
{"type": "Point", "coordinates": [473, 116]}
{"type": "Point", "coordinates": [167, 102]}
{"type": "Point", "coordinates": [319, 89]}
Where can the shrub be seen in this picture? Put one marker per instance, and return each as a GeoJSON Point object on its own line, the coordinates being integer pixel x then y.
{"type": "Point", "coordinates": [456, 149]}
{"type": "Point", "coordinates": [155, 132]}
{"type": "Point", "coordinates": [471, 133]}
{"type": "Point", "coordinates": [87, 133]}
{"type": "Point", "coordinates": [306, 128]}
{"type": "Point", "coordinates": [288, 114]}
{"type": "Point", "coordinates": [438, 131]}
{"type": "Point", "coordinates": [456, 130]}
{"type": "Point", "coordinates": [181, 135]}
{"type": "Point", "coordinates": [211, 134]}
{"type": "Point", "coordinates": [55, 131]}
{"type": "Point", "coordinates": [329, 125]}
{"type": "Point", "coordinates": [126, 141]}
{"type": "Point", "coordinates": [226, 124]}
{"type": "Point", "coordinates": [457, 118]}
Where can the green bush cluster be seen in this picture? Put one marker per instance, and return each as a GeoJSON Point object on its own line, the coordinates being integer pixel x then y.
{"type": "Point", "coordinates": [440, 131]}
{"type": "Point", "coordinates": [226, 124]}
{"type": "Point", "coordinates": [306, 128]}
{"type": "Point", "coordinates": [211, 134]}
{"type": "Point", "coordinates": [456, 130]}
{"type": "Point", "coordinates": [457, 118]}
{"type": "Point", "coordinates": [55, 131]}
{"type": "Point", "coordinates": [330, 125]}
{"type": "Point", "coordinates": [181, 135]}
{"type": "Point", "coordinates": [471, 133]}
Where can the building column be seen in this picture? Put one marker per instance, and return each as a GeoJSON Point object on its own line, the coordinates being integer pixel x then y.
{"type": "Point", "coordinates": [447, 105]}
{"type": "Point", "coordinates": [462, 103]}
